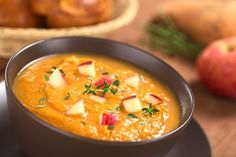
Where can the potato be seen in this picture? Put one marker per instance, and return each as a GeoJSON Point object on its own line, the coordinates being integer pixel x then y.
{"type": "Point", "coordinates": [204, 21]}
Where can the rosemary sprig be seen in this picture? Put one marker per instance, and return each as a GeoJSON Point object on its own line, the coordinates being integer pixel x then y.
{"type": "Point", "coordinates": [166, 37]}
{"type": "Point", "coordinates": [150, 110]}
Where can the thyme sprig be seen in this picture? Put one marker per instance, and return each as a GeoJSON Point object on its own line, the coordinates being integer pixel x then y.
{"type": "Point", "coordinates": [107, 88]}
{"type": "Point", "coordinates": [150, 110]}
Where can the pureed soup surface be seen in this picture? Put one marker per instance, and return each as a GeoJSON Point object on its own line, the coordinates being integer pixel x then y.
{"type": "Point", "coordinates": [97, 97]}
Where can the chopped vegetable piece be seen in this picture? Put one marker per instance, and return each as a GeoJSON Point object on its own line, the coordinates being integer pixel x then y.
{"type": "Point", "coordinates": [132, 104]}
{"type": "Point", "coordinates": [102, 80]}
{"type": "Point", "coordinates": [56, 80]}
{"type": "Point", "coordinates": [133, 81]}
{"type": "Point", "coordinates": [109, 119]}
{"type": "Point", "coordinates": [77, 108]}
{"type": "Point", "coordinates": [153, 99]}
{"type": "Point", "coordinates": [87, 68]}
{"type": "Point", "coordinates": [98, 99]}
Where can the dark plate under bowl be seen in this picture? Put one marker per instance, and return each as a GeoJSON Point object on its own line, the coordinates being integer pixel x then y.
{"type": "Point", "coordinates": [40, 139]}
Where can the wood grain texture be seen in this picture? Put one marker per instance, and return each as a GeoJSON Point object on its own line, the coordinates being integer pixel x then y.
{"type": "Point", "coordinates": [216, 115]}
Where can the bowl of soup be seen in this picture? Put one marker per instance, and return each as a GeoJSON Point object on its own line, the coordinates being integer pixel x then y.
{"type": "Point", "coordinates": [83, 96]}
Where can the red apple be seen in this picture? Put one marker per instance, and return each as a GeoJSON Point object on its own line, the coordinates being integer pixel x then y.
{"type": "Point", "coordinates": [101, 81]}
{"type": "Point", "coordinates": [109, 119]}
{"type": "Point", "coordinates": [217, 67]}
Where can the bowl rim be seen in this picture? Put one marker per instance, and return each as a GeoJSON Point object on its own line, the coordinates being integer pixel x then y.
{"type": "Point", "coordinates": [87, 139]}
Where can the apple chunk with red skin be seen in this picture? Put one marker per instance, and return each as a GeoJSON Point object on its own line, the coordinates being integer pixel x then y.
{"type": "Point", "coordinates": [153, 99]}
{"type": "Point", "coordinates": [109, 119]}
{"type": "Point", "coordinates": [87, 68]}
{"type": "Point", "coordinates": [132, 104]}
{"type": "Point", "coordinates": [217, 67]}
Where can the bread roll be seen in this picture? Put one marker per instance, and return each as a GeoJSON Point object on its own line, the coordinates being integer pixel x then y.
{"type": "Point", "coordinates": [17, 13]}
{"type": "Point", "coordinates": [80, 13]}
{"type": "Point", "coordinates": [44, 7]}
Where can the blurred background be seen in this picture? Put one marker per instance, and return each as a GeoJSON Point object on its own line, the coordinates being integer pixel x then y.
{"type": "Point", "coordinates": [197, 38]}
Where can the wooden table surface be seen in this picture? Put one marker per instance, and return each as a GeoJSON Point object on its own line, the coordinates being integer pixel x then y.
{"type": "Point", "coordinates": [217, 116]}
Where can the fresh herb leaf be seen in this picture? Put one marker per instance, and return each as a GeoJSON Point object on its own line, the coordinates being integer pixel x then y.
{"type": "Point", "coordinates": [116, 83]}
{"type": "Point", "coordinates": [49, 72]}
{"type": "Point", "coordinates": [62, 71]}
{"type": "Point", "coordinates": [114, 91]}
{"type": "Point", "coordinates": [111, 127]}
{"type": "Point", "coordinates": [46, 77]}
{"type": "Point", "coordinates": [105, 73]}
{"type": "Point", "coordinates": [83, 122]}
{"type": "Point", "coordinates": [131, 115]}
{"type": "Point", "coordinates": [67, 96]}
{"type": "Point", "coordinates": [150, 110]}
{"type": "Point", "coordinates": [89, 90]}
{"type": "Point", "coordinates": [41, 103]}
{"type": "Point", "coordinates": [105, 90]}
{"type": "Point", "coordinates": [143, 123]}
{"type": "Point", "coordinates": [118, 108]}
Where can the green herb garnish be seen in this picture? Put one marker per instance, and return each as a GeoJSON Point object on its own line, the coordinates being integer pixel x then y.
{"type": "Point", "coordinates": [118, 108]}
{"type": "Point", "coordinates": [149, 110]}
{"type": "Point", "coordinates": [89, 90]}
{"type": "Point", "coordinates": [164, 35]}
{"type": "Point", "coordinates": [111, 127]}
{"type": "Point", "coordinates": [105, 73]}
{"type": "Point", "coordinates": [46, 77]}
{"type": "Point", "coordinates": [106, 88]}
{"type": "Point", "coordinates": [143, 123]}
{"type": "Point", "coordinates": [54, 68]}
{"type": "Point", "coordinates": [67, 96]}
{"type": "Point", "coordinates": [41, 103]}
{"type": "Point", "coordinates": [131, 115]}
{"type": "Point", "coordinates": [83, 122]}
{"type": "Point", "coordinates": [62, 71]}
{"type": "Point", "coordinates": [116, 83]}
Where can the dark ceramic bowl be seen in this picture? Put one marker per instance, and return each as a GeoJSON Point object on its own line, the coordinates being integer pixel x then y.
{"type": "Point", "coordinates": [39, 139]}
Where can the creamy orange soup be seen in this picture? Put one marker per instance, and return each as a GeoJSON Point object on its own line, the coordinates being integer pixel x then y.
{"type": "Point", "coordinates": [97, 97]}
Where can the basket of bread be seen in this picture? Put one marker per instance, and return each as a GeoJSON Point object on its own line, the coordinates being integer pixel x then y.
{"type": "Point", "coordinates": [24, 21]}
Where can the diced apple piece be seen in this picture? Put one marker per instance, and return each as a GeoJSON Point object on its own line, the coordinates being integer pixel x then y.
{"type": "Point", "coordinates": [97, 99]}
{"type": "Point", "coordinates": [87, 68]}
{"type": "Point", "coordinates": [133, 81]}
{"type": "Point", "coordinates": [56, 80]}
{"type": "Point", "coordinates": [153, 99]}
{"type": "Point", "coordinates": [101, 81]}
{"type": "Point", "coordinates": [77, 108]}
{"type": "Point", "coordinates": [109, 119]}
{"type": "Point", "coordinates": [132, 104]}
